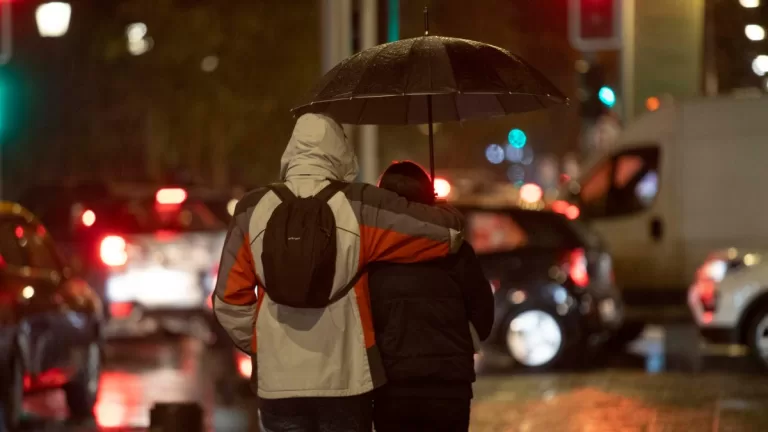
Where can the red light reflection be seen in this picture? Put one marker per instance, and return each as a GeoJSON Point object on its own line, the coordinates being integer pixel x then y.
{"type": "Point", "coordinates": [119, 391]}
{"type": "Point", "coordinates": [19, 231]}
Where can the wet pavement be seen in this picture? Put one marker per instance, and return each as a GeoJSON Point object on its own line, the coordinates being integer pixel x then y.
{"type": "Point", "coordinates": [611, 392]}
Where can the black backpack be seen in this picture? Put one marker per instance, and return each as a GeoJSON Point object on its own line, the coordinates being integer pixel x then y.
{"type": "Point", "coordinates": [299, 253]}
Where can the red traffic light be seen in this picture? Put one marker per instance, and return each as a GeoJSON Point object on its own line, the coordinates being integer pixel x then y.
{"type": "Point", "coordinates": [594, 24]}
{"type": "Point", "coordinates": [596, 19]}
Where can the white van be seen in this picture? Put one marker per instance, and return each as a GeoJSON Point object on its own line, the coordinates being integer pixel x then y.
{"type": "Point", "coordinates": [683, 181]}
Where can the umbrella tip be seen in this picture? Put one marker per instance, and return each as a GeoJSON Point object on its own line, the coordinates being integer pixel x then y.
{"type": "Point", "coordinates": [426, 21]}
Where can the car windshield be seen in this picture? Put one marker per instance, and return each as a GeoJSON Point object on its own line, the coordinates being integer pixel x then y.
{"type": "Point", "coordinates": [136, 216]}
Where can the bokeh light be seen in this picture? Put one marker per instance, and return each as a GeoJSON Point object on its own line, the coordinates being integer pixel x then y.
{"type": "Point", "coordinates": [754, 32]}
{"type": "Point", "coordinates": [442, 187]}
{"type": "Point", "coordinates": [652, 103]}
{"type": "Point", "coordinates": [517, 138]}
{"type": "Point", "coordinates": [760, 65]}
{"type": "Point", "coordinates": [531, 193]}
{"type": "Point", "coordinates": [495, 154]}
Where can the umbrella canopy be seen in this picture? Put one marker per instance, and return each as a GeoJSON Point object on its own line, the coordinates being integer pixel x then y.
{"type": "Point", "coordinates": [396, 83]}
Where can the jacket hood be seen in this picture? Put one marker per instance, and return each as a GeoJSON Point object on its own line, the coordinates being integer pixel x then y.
{"type": "Point", "coordinates": [319, 148]}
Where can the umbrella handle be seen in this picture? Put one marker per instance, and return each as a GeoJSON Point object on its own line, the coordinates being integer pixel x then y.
{"type": "Point", "coordinates": [426, 21]}
{"type": "Point", "coordinates": [431, 142]}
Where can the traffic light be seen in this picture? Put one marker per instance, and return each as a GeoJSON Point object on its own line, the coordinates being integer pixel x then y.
{"type": "Point", "coordinates": [607, 96]}
{"type": "Point", "coordinates": [517, 138]}
{"type": "Point", "coordinates": [594, 25]}
{"type": "Point", "coordinates": [389, 20]}
{"type": "Point", "coordinates": [595, 93]}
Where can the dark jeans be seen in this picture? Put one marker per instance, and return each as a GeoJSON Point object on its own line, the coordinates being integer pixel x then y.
{"type": "Point", "coordinates": [330, 414]}
{"type": "Point", "coordinates": [412, 414]}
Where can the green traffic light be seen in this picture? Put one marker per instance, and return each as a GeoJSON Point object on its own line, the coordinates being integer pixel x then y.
{"type": "Point", "coordinates": [517, 138]}
{"type": "Point", "coordinates": [607, 96]}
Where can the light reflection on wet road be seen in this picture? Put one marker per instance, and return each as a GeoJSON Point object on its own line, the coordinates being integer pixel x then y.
{"type": "Point", "coordinates": [141, 373]}
{"type": "Point", "coordinates": [615, 395]}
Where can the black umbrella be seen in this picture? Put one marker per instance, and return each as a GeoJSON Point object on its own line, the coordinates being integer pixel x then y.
{"type": "Point", "coordinates": [427, 79]}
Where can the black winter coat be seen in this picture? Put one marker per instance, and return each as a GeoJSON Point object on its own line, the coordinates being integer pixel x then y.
{"type": "Point", "coordinates": [421, 315]}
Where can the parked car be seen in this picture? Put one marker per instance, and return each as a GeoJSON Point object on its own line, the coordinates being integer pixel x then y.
{"type": "Point", "coordinates": [553, 283]}
{"type": "Point", "coordinates": [149, 252]}
{"type": "Point", "coordinates": [51, 321]}
{"type": "Point", "coordinates": [729, 300]}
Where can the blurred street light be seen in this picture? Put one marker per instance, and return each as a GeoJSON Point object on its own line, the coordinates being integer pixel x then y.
{"type": "Point", "coordinates": [53, 19]}
{"type": "Point", "coordinates": [749, 3]}
{"type": "Point", "coordinates": [754, 32]}
{"type": "Point", "coordinates": [138, 42]}
{"type": "Point", "coordinates": [652, 103]}
{"type": "Point", "coordinates": [760, 65]}
{"type": "Point", "coordinates": [209, 64]}
{"type": "Point", "coordinates": [495, 154]}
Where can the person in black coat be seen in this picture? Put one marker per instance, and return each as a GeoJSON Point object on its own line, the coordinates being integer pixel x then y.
{"type": "Point", "coordinates": [424, 315]}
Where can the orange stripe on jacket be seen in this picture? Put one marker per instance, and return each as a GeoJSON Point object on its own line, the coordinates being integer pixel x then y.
{"type": "Point", "coordinates": [364, 306]}
{"type": "Point", "coordinates": [379, 244]}
{"type": "Point", "coordinates": [241, 280]}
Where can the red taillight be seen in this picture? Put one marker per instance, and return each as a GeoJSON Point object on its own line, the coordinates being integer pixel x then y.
{"type": "Point", "coordinates": [577, 268]}
{"type": "Point", "coordinates": [88, 218]}
{"type": "Point", "coordinates": [120, 310]}
{"type": "Point", "coordinates": [569, 210]}
{"type": "Point", "coordinates": [560, 206]}
{"type": "Point", "coordinates": [572, 212]}
{"type": "Point", "coordinates": [442, 187]}
{"type": "Point", "coordinates": [171, 196]}
{"type": "Point", "coordinates": [113, 251]}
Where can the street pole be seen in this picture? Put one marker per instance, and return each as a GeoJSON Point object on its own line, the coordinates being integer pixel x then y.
{"type": "Point", "coordinates": [369, 134]}
{"type": "Point", "coordinates": [330, 33]}
{"type": "Point", "coordinates": [628, 59]}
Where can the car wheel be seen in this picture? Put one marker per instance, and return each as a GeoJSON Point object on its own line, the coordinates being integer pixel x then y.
{"type": "Point", "coordinates": [758, 337]}
{"type": "Point", "coordinates": [12, 394]}
{"type": "Point", "coordinates": [82, 390]}
{"type": "Point", "coordinates": [535, 339]}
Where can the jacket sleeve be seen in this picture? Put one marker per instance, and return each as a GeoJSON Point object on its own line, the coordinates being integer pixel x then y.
{"type": "Point", "coordinates": [393, 229]}
{"type": "Point", "coordinates": [478, 295]}
{"type": "Point", "coordinates": [234, 299]}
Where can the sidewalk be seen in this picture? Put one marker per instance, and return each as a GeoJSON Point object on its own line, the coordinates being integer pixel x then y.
{"type": "Point", "coordinates": [621, 401]}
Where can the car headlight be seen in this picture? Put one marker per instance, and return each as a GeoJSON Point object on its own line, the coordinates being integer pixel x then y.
{"type": "Point", "coordinates": [714, 270]}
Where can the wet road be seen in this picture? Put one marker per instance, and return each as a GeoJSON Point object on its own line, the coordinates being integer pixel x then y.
{"type": "Point", "coordinates": [619, 392]}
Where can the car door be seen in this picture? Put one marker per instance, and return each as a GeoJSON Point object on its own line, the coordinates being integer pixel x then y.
{"type": "Point", "coordinates": [56, 329]}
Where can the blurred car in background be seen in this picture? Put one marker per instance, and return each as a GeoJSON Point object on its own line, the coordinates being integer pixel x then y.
{"type": "Point", "coordinates": [552, 280]}
{"type": "Point", "coordinates": [729, 300]}
{"type": "Point", "coordinates": [51, 322]}
{"type": "Point", "coordinates": [150, 252]}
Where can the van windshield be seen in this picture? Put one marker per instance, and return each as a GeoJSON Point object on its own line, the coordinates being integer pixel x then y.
{"type": "Point", "coordinates": [622, 184]}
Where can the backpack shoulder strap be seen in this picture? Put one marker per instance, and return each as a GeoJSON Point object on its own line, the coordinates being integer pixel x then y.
{"type": "Point", "coordinates": [347, 288]}
{"type": "Point", "coordinates": [331, 190]}
{"type": "Point", "coordinates": [282, 191]}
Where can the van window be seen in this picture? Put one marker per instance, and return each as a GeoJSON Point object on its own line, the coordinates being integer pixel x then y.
{"type": "Point", "coordinates": [626, 183]}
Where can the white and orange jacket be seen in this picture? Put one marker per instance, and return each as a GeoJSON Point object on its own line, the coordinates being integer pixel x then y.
{"type": "Point", "coordinates": [331, 351]}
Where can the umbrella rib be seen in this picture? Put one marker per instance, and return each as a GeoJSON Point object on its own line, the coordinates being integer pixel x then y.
{"type": "Point", "coordinates": [501, 104]}
{"type": "Point", "coordinates": [373, 57]}
{"type": "Point", "coordinates": [456, 105]}
{"type": "Point", "coordinates": [495, 72]}
{"type": "Point", "coordinates": [362, 110]}
{"type": "Point", "coordinates": [408, 80]}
